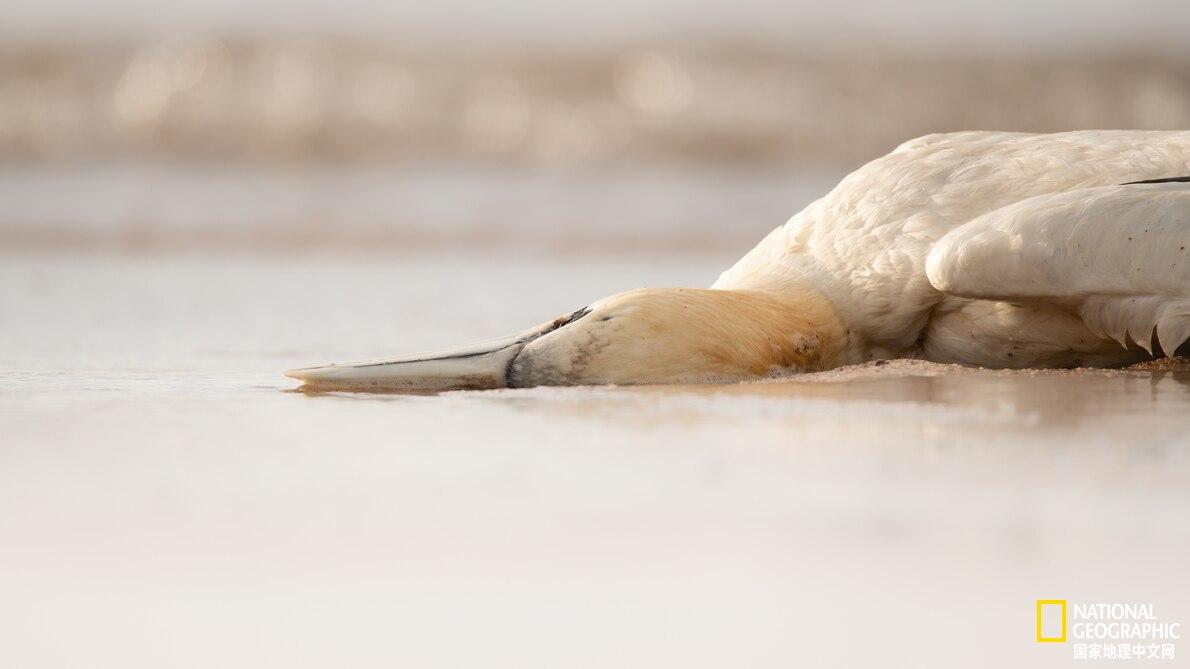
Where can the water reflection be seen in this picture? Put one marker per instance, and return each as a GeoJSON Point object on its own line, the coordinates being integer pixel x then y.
{"type": "Point", "coordinates": [901, 404]}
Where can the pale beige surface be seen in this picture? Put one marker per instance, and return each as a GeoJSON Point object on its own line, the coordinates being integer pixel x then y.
{"type": "Point", "coordinates": [165, 501]}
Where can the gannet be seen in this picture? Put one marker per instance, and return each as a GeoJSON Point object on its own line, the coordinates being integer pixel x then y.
{"type": "Point", "coordinates": [992, 249]}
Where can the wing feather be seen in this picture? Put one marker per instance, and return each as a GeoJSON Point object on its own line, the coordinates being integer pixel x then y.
{"type": "Point", "coordinates": [1117, 256]}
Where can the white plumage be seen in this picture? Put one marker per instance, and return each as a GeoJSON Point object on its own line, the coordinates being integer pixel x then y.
{"type": "Point", "coordinates": [984, 248]}
{"type": "Point", "coordinates": [1034, 226]}
{"type": "Point", "coordinates": [1115, 256]}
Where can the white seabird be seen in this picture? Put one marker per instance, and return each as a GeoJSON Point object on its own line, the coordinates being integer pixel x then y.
{"type": "Point", "coordinates": [995, 249]}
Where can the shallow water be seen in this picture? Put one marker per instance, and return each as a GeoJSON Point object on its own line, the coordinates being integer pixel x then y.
{"type": "Point", "coordinates": [398, 210]}
{"type": "Point", "coordinates": [167, 500]}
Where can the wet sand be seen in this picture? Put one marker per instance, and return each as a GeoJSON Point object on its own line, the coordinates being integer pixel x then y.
{"type": "Point", "coordinates": [166, 499]}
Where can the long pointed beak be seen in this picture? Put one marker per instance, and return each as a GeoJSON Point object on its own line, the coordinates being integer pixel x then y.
{"type": "Point", "coordinates": [479, 366]}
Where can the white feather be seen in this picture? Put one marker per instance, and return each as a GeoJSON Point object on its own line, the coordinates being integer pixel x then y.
{"type": "Point", "coordinates": [1009, 217]}
{"type": "Point", "coordinates": [1115, 255]}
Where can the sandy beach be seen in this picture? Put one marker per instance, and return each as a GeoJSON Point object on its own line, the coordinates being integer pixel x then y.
{"type": "Point", "coordinates": [162, 485]}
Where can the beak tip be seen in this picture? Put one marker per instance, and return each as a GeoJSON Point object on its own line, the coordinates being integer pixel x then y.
{"type": "Point", "coordinates": [304, 373]}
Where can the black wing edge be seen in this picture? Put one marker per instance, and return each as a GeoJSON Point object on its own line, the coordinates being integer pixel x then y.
{"type": "Point", "coordinates": [1167, 180]}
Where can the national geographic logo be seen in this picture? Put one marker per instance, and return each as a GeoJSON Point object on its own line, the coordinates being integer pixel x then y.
{"type": "Point", "coordinates": [1051, 620]}
{"type": "Point", "coordinates": [1107, 631]}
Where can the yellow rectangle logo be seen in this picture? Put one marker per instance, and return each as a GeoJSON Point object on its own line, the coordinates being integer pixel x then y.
{"type": "Point", "coordinates": [1051, 620]}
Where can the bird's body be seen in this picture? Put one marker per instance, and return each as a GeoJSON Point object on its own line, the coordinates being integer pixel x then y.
{"type": "Point", "coordinates": [985, 248]}
{"type": "Point", "coordinates": [866, 244]}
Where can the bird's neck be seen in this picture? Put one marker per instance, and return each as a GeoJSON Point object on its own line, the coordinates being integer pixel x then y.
{"type": "Point", "coordinates": [797, 330]}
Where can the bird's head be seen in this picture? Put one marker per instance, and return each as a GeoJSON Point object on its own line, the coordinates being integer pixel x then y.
{"type": "Point", "coordinates": [646, 336]}
{"type": "Point", "coordinates": [676, 335]}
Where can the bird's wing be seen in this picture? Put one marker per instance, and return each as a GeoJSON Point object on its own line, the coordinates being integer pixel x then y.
{"type": "Point", "coordinates": [1117, 256]}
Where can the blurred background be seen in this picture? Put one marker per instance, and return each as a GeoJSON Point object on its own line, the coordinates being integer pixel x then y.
{"type": "Point", "coordinates": [195, 196]}
{"type": "Point", "coordinates": [584, 127]}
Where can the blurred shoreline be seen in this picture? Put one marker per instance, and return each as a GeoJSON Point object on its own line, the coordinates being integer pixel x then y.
{"type": "Point", "coordinates": [355, 101]}
{"type": "Point", "coordinates": [361, 146]}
